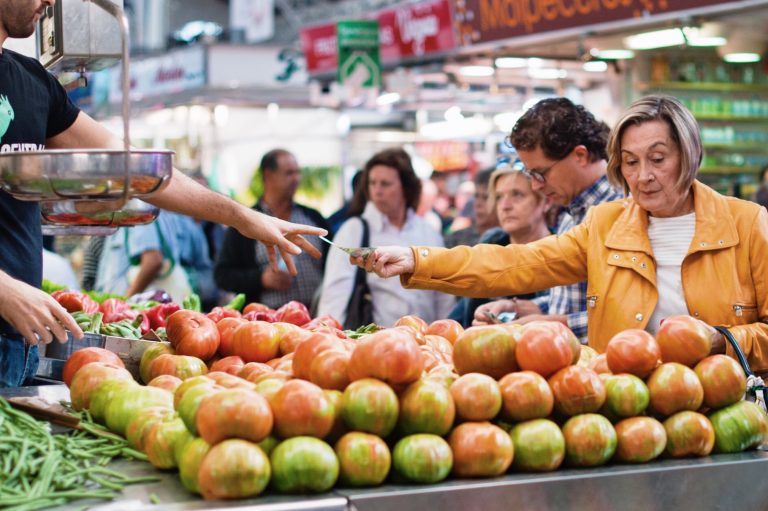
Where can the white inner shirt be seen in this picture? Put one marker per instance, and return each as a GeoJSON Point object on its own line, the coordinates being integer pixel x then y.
{"type": "Point", "coordinates": [670, 240]}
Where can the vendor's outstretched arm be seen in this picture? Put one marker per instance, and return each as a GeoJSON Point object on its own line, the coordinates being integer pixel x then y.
{"type": "Point", "coordinates": [183, 195]}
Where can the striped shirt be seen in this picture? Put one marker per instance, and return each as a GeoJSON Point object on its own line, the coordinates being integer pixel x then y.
{"type": "Point", "coordinates": [571, 301]}
{"type": "Point", "coordinates": [670, 239]}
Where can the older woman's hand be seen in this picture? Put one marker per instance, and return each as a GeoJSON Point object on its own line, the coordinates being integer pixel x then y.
{"type": "Point", "coordinates": [387, 261]}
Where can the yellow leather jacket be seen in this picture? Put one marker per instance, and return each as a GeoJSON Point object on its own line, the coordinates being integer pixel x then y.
{"type": "Point", "coordinates": [724, 274]}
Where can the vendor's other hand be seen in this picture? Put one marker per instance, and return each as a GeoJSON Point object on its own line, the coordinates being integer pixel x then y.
{"type": "Point", "coordinates": [387, 261]}
{"type": "Point", "coordinates": [718, 340]}
{"type": "Point", "coordinates": [284, 236]}
{"type": "Point", "coordinates": [34, 313]}
{"type": "Point", "coordinates": [276, 280]}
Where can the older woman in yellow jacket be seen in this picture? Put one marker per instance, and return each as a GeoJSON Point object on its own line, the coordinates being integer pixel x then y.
{"type": "Point", "coordinates": [673, 247]}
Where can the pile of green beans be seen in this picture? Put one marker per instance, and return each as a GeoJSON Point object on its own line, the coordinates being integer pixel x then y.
{"type": "Point", "coordinates": [39, 470]}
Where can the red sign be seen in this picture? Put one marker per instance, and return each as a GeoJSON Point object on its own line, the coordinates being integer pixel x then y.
{"type": "Point", "coordinates": [405, 31]}
{"type": "Point", "coordinates": [445, 156]}
{"type": "Point", "coordinates": [482, 21]}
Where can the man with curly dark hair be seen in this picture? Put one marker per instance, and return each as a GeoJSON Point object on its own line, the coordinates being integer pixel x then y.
{"type": "Point", "coordinates": [563, 148]}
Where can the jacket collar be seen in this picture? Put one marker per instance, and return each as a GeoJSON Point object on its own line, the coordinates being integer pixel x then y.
{"type": "Point", "coordinates": [715, 228]}
{"type": "Point", "coordinates": [379, 221]}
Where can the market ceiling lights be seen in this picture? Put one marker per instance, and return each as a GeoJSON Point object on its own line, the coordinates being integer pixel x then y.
{"type": "Point", "coordinates": [511, 62]}
{"type": "Point", "coordinates": [741, 58]}
{"type": "Point", "coordinates": [547, 73]}
{"type": "Point", "coordinates": [706, 36]}
{"type": "Point", "coordinates": [595, 66]}
{"type": "Point", "coordinates": [388, 98]}
{"type": "Point", "coordinates": [655, 39]}
{"type": "Point", "coordinates": [612, 54]}
{"type": "Point", "coordinates": [476, 71]}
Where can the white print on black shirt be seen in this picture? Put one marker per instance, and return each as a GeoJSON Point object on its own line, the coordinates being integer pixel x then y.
{"type": "Point", "coordinates": [21, 148]}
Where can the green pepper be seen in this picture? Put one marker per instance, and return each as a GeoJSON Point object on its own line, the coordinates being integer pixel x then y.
{"type": "Point", "coordinates": [192, 302]}
{"type": "Point", "coordinates": [237, 303]}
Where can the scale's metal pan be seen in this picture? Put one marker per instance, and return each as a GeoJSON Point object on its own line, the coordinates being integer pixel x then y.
{"type": "Point", "coordinates": [73, 213]}
{"type": "Point", "coordinates": [77, 230]}
{"type": "Point", "coordinates": [83, 174]}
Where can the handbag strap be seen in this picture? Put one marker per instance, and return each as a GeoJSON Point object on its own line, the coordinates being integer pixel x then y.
{"type": "Point", "coordinates": [736, 348]}
{"type": "Point", "coordinates": [360, 275]}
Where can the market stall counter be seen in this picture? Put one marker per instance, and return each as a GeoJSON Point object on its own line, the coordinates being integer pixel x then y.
{"type": "Point", "coordinates": [724, 481]}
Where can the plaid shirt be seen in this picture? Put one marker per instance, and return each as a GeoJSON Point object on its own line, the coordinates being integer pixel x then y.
{"type": "Point", "coordinates": [571, 300]}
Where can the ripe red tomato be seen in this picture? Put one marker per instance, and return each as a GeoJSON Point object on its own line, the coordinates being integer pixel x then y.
{"type": "Point", "coordinates": [226, 328]}
{"type": "Point", "coordinates": [219, 313]}
{"type": "Point", "coordinates": [234, 413]}
{"type": "Point", "coordinates": [302, 408]}
{"type": "Point", "coordinates": [324, 320]}
{"type": "Point", "coordinates": [85, 356]}
{"type": "Point", "coordinates": [293, 312]}
{"type": "Point", "coordinates": [328, 370]}
{"type": "Point", "coordinates": [723, 380]}
{"type": "Point", "coordinates": [577, 390]}
{"type": "Point", "coordinates": [525, 395]}
{"type": "Point", "coordinates": [253, 370]}
{"type": "Point", "coordinates": [413, 322]}
{"type": "Point", "coordinates": [689, 434]}
{"type": "Point", "coordinates": [391, 355]}
{"type": "Point", "coordinates": [485, 349]}
{"type": "Point", "coordinates": [477, 397]}
{"type": "Point", "coordinates": [231, 364]}
{"type": "Point", "coordinates": [255, 307]}
{"type": "Point", "coordinates": [89, 377]}
{"type": "Point", "coordinates": [447, 328]}
{"type": "Point", "coordinates": [165, 381]}
{"type": "Point", "coordinates": [255, 341]}
{"type": "Point", "coordinates": [544, 349]}
{"type": "Point", "coordinates": [639, 439]}
{"type": "Point", "coordinates": [633, 351]}
{"type": "Point", "coordinates": [684, 339]}
{"type": "Point", "coordinates": [309, 349]}
{"type": "Point", "coordinates": [480, 449]}
{"type": "Point", "coordinates": [180, 366]}
{"type": "Point", "coordinates": [674, 388]}
{"type": "Point", "coordinates": [191, 333]}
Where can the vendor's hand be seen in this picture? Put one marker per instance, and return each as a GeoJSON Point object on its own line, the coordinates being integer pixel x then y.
{"type": "Point", "coordinates": [280, 235]}
{"type": "Point", "coordinates": [493, 308]}
{"type": "Point", "coordinates": [387, 261]}
{"type": "Point", "coordinates": [34, 313]}
{"type": "Point", "coordinates": [276, 280]}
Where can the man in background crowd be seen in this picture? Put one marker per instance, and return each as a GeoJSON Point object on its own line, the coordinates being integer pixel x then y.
{"type": "Point", "coordinates": [242, 265]}
{"type": "Point", "coordinates": [484, 218]}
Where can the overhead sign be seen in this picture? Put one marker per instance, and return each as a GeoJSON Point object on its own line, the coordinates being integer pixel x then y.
{"type": "Point", "coordinates": [482, 21]}
{"type": "Point", "coordinates": [406, 31]}
{"type": "Point", "coordinates": [171, 72]}
{"type": "Point", "coordinates": [256, 18]}
{"type": "Point", "coordinates": [358, 49]}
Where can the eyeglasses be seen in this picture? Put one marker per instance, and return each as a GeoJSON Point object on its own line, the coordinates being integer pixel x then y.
{"type": "Point", "coordinates": [540, 176]}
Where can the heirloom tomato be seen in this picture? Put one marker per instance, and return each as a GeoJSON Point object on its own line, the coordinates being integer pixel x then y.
{"type": "Point", "coordinates": [723, 380]}
{"type": "Point", "coordinates": [160, 442]}
{"type": "Point", "coordinates": [525, 395]}
{"type": "Point", "coordinates": [165, 381]}
{"type": "Point", "coordinates": [480, 449]}
{"type": "Point", "coordinates": [545, 349]}
{"type": "Point", "coordinates": [149, 356]}
{"type": "Point", "coordinates": [633, 351]}
{"type": "Point", "coordinates": [293, 312]}
{"type": "Point", "coordinates": [422, 458]}
{"type": "Point", "coordinates": [85, 356]}
{"type": "Point", "coordinates": [426, 407]}
{"type": "Point", "coordinates": [539, 446]}
{"type": "Point", "coordinates": [180, 366]}
{"type": "Point", "coordinates": [255, 341]}
{"type": "Point", "coordinates": [302, 409]}
{"type": "Point", "coordinates": [477, 397]}
{"type": "Point", "coordinates": [639, 439]}
{"type": "Point", "coordinates": [329, 369]}
{"type": "Point", "coordinates": [689, 434]}
{"type": "Point", "coordinates": [193, 334]}
{"type": "Point", "coordinates": [233, 469]}
{"type": "Point", "coordinates": [674, 387]}
{"type": "Point", "coordinates": [684, 339]}
{"type": "Point", "coordinates": [364, 459]}
{"type": "Point", "coordinates": [447, 328]}
{"type": "Point", "coordinates": [391, 355]}
{"type": "Point", "coordinates": [738, 427]}
{"type": "Point", "coordinates": [234, 413]}
{"type": "Point", "coordinates": [304, 464]}
{"type": "Point", "coordinates": [590, 440]}
{"type": "Point", "coordinates": [577, 390]}
{"type": "Point", "coordinates": [626, 396]}
{"type": "Point", "coordinates": [485, 349]}
{"type": "Point", "coordinates": [370, 406]}
{"type": "Point", "coordinates": [123, 409]}
{"type": "Point", "coordinates": [190, 461]}
{"type": "Point", "coordinates": [89, 377]}
{"type": "Point", "coordinates": [226, 328]}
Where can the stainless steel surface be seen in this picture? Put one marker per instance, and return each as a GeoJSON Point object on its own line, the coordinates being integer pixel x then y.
{"type": "Point", "coordinates": [67, 213]}
{"type": "Point", "coordinates": [84, 37]}
{"type": "Point", "coordinates": [54, 355]}
{"type": "Point", "coordinates": [720, 482]}
{"type": "Point", "coordinates": [84, 174]}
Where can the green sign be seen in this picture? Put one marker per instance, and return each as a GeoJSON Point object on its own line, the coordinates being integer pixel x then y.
{"type": "Point", "coordinates": [358, 47]}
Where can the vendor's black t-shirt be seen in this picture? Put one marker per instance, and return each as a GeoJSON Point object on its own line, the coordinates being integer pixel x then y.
{"type": "Point", "coordinates": [33, 108]}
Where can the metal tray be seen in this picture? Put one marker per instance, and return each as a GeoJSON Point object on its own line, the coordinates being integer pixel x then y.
{"type": "Point", "coordinates": [70, 213]}
{"type": "Point", "coordinates": [83, 174]}
{"type": "Point", "coordinates": [77, 230]}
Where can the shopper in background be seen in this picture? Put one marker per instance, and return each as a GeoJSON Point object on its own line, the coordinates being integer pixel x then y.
{"type": "Point", "coordinates": [674, 247]}
{"type": "Point", "coordinates": [58, 270]}
{"type": "Point", "coordinates": [341, 215]}
{"type": "Point", "coordinates": [243, 265]}
{"type": "Point", "coordinates": [91, 258]}
{"type": "Point", "coordinates": [169, 254]}
{"type": "Point", "coordinates": [484, 217]}
{"type": "Point", "coordinates": [522, 215]}
{"type": "Point", "coordinates": [761, 196]}
{"type": "Point", "coordinates": [392, 190]}
{"type": "Point", "coordinates": [426, 209]}
{"type": "Point", "coordinates": [562, 146]}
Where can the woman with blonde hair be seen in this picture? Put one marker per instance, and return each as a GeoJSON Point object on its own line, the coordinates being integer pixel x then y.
{"type": "Point", "coordinates": [656, 254]}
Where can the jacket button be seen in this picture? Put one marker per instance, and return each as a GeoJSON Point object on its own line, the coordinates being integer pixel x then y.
{"type": "Point", "coordinates": [616, 256]}
{"type": "Point", "coordinates": [639, 316]}
{"type": "Point", "coordinates": [702, 244]}
{"type": "Point", "coordinates": [424, 252]}
{"type": "Point", "coordinates": [696, 314]}
{"type": "Point", "coordinates": [643, 265]}
{"type": "Point", "coordinates": [634, 259]}
{"type": "Point", "coordinates": [721, 242]}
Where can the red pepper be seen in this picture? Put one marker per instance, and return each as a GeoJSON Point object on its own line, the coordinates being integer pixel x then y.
{"type": "Point", "coordinates": [158, 315]}
{"type": "Point", "coordinates": [219, 313]}
{"type": "Point", "coordinates": [74, 302]}
{"type": "Point", "coordinates": [115, 309]}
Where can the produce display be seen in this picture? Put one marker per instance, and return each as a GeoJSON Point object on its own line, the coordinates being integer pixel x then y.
{"type": "Point", "coordinates": [242, 402]}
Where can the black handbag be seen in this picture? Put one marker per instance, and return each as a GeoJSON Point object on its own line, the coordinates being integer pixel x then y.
{"type": "Point", "coordinates": [360, 305]}
{"type": "Point", "coordinates": [756, 390]}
